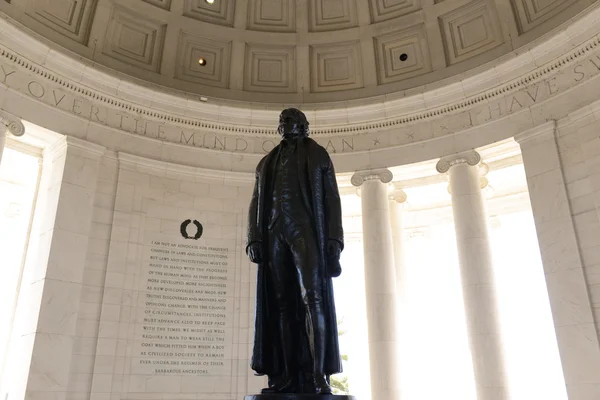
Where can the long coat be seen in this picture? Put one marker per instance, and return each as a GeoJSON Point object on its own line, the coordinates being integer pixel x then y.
{"type": "Point", "coordinates": [320, 195]}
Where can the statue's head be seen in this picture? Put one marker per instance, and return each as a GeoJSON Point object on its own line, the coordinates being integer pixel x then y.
{"type": "Point", "coordinates": [293, 123]}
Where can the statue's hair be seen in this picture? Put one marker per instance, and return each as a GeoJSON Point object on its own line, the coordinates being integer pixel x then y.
{"type": "Point", "coordinates": [300, 117]}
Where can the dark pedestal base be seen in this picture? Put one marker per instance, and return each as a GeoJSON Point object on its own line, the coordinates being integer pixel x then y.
{"type": "Point", "coordinates": [299, 396]}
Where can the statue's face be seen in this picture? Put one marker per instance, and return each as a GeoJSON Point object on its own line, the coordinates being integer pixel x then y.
{"type": "Point", "coordinates": [291, 124]}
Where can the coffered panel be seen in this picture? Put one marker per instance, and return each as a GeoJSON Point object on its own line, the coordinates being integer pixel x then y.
{"type": "Point", "coordinates": [404, 44]}
{"type": "Point", "coordinates": [329, 15]}
{"type": "Point", "coordinates": [70, 18]}
{"type": "Point", "coordinates": [216, 54]}
{"type": "Point", "coordinates": [272, 15]}
{"type": "Point", "coordinates": [335, 67]}
{"type": "Point", "coordinates": [470, 30]}
{"type": "Point", "coordinates": [531, 13]}
{"type": "Point", "coordinates": [270, 68]}
{"type": "Point", "coordinates": [134, 39]}
{"type": "Point", "coordinates": [382, 10]}
{"type": "Point", "coordinates": [220, 12]}
{"type": "Point", "coordinates": [402, 54]}
{"type": "Point", "coordinates": [164, 4]}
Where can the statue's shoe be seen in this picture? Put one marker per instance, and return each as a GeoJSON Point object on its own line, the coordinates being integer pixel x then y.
{"type": "Point", "coordinates": [321, 386]}
{"type": "Point", "coordinates": [284, 386]}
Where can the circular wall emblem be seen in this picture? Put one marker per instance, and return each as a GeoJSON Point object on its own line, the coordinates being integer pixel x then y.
{"type": "Point", "coordinates": [183, 229]}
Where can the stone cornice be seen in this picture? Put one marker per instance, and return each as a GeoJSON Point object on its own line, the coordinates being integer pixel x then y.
{"type": "Point", "coordinates": [348, 129]}
{"type": "Point", "coordinates": [470, 157]}
{"type": "Point", "coordinates": [167, 168]}
{"type": "Point", "coordinates": [13, 124]}
{"type": "Point", "coordinates": [360, 177]}
{"type": "Point", "coordinates": [75, 146]}
{"type": "Point", "coordinates": [194, 114]}
{"type": "Point", "coordinates": [85, 148]}
{"type": "Point", "coordinates": [23, 147]}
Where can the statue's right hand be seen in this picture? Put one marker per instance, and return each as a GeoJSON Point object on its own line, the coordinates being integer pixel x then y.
{"type": "Point", "coordinates": [255, 252]}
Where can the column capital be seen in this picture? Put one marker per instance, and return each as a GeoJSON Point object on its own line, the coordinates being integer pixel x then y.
{"type": "Point", "coordinates": [12, 123]}
{"type": "Point", "coordinates": [398, 195]}
{"type": "Point", "coordinates": [360, 177]}
{"type": "Point", "coordinates": [470, 157]}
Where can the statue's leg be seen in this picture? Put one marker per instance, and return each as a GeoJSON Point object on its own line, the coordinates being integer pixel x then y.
{"type": "Point", "coordinates": [282, 276]}
{"type": "Point", "coordinates": [306, 259]}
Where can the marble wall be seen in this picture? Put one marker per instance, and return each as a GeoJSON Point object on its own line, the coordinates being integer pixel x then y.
{"type": "Point", "coordinates": [107, 205]}
{"type": "Point", "coordinates": [578, 143]}
{"type": "Point", "coordinates": [175, 311]}
{"type": "Point", "coordinates": [44, 330]}
{"type": "Point", "coordinates": [118, 300]}
{"type": "Point", "coordinates": [560, 180]}
{"type": "Point", "coordinates": [100, 315]}
{"type": "Point", "coordinates": [94, 276]}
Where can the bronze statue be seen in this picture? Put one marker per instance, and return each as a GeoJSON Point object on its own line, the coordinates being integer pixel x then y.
{"type": "Point", "coordinates": [295, 236]}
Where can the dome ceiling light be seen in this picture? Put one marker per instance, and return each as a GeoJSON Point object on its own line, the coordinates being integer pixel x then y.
{"type": "Point", "coordinates": [210, 1]}
{"type": "Point", "coordinates": [202, 62]}
{"type": "Point", "coordinates": [403, 57]}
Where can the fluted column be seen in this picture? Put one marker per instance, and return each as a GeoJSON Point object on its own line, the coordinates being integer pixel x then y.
{"type": "Point", "coordinates": [380, 283]}
{"type": "Point", "coordinates": [9, 124]}
{"type": "Point", "coordinates": [397, 200]}
{"type": "Point", "coordinates": [477, 275]}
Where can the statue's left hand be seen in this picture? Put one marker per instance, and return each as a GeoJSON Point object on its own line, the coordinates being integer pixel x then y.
{"type": "Point", "coordinates": [334, 249]}
{"type": "Point", "coordinates": [255, 252]}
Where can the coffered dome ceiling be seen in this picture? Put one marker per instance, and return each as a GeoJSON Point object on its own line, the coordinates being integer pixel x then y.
{"type": "Point", "coordinates": [292, 51]}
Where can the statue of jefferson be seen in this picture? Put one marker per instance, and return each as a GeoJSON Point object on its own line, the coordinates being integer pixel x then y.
{"type": "Point", "coordinates": [295, 236]}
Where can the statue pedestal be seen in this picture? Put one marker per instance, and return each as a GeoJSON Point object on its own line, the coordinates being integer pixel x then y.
{"type": "Point", "coordinates": [299, 396]}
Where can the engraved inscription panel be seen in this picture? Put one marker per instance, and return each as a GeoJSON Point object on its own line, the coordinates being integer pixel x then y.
{"type": "Point", "coordinates": [184, 316]}
{"type": "Point", "coordinates": [174, 302]}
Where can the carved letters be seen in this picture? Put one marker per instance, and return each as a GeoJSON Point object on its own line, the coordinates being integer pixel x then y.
{"type": "Point", "coordinates": [98, 111]}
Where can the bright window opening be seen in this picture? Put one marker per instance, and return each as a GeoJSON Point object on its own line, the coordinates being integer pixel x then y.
{"type": "Point", "coordinates": [19, 172]}
{"type": "Point", "coordinates": [435, 357]}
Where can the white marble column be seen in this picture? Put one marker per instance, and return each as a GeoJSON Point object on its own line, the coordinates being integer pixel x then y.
{"type": "Point", "coordinates": [397, 200]}
{"type": "Point", "coordinates": [380, 283]}
{"type": "Point", "coordinates": [11, 124]}
{"type": "Point", "coordinates": [477, 275]}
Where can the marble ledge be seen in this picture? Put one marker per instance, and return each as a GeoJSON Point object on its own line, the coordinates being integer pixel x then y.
{"type": "Point", "coordinates": [74, 146]}
{"type": "Point", "coordinates": [134, 162]}
{"type": "Point", "coordinates": [537, 134]}
{"type": "Point", "coordinates": [42, 53]}
{"type": "Point", "coordinates": [585, 113]}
